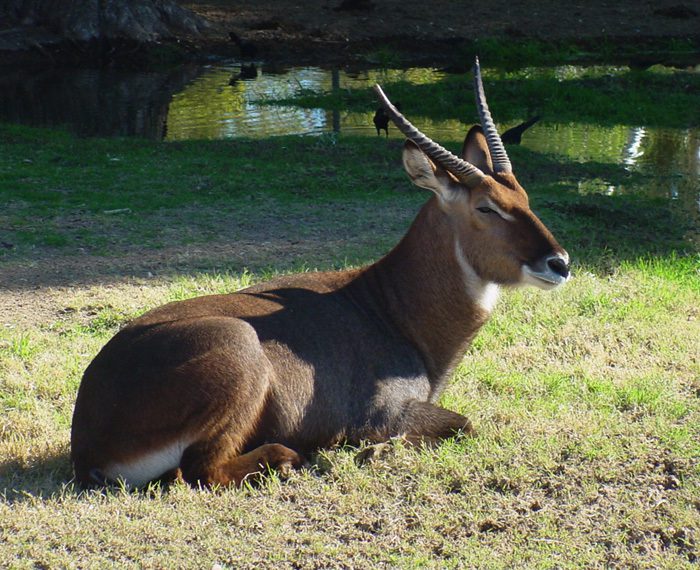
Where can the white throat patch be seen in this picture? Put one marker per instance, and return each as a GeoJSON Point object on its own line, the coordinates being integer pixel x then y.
{"type": "Point", "coordinates": [483, 293]}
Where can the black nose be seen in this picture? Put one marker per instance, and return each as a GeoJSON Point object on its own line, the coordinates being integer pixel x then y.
{"type": "Point", "coordinates": [559, 266]}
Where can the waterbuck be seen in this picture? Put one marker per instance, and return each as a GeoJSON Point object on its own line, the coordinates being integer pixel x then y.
{"type": "Point", "coordinates": [224, 386]}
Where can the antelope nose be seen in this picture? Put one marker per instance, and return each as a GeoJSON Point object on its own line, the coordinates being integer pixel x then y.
{"type": "Point", "coordinates": [558, 265]}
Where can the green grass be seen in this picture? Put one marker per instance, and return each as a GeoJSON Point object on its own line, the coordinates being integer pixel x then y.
{"type": "Point", "coordinates": [586, 400]}
{"type": "Point", "coordinates": [129, 193]}
{"type": "Point", "coordinates": [510, 52]}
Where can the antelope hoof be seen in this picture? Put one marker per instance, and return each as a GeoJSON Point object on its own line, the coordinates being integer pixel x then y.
{"type": "Point", "coordinates": [284, 460]}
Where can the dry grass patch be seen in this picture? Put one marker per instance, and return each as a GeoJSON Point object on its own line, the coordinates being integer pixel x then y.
{"type": "Point", "coordinates": [586, 405]}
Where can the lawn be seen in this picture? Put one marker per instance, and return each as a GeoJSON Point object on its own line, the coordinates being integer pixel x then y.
{"type": "Point", "coordinates": [586, 401]}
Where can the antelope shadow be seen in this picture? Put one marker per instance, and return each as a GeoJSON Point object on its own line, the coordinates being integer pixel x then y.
{"type": "Point", "coordinates": [45, 476]}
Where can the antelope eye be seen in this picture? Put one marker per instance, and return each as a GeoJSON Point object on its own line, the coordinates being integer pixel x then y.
{"type": "Point", "coordinates": [486, 210]}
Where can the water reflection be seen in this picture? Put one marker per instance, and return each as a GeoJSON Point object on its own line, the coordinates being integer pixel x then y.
{"type": "Point", "coordinates": [633, 150]}
{"type": "Point", "coordinates": [225, 101]}
{"type": "Point", "coordinates": [91, 102]}
{"type": "Point", "coordinates": [214, 107]}
{"type": "Point", "coordinates": [669, 157]}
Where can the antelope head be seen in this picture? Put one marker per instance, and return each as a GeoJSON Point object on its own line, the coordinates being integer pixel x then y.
{"type": "Point", "coordinates": [498, 238]}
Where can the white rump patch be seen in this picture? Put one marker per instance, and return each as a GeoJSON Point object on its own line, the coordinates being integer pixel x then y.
{"type": "Point", "coordinates": [149, 466]}
{"type": "Point", "coordinates": [483, 293]}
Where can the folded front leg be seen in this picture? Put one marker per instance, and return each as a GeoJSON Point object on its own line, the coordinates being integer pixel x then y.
{"type": "Point", "coordinates": [428, 424]}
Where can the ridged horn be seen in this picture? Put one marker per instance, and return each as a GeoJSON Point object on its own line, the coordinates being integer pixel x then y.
{"type": "Point", "coordinates": [499, 157]}
{"type": "Point", "coordinates": [467, 173]}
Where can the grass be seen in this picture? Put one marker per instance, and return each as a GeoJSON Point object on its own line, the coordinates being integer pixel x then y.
{"type": "Point", "coordinates": [586, 400]}
{"type": "Point", "coordinates": [193, 192]}
{"type": "Point", "coordinates": [511, 52]}
{"type": "Point", "coordinates": [99, 200]}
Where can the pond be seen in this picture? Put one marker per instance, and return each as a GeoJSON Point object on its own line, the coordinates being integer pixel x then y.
{"type": "Point", "coordinates": [225, 100]}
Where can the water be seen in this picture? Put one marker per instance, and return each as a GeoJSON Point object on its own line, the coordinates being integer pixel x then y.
{"type": "Point", "coordinates": [223, 101]}
{"type": "Point", "coordinates": [669, 159]}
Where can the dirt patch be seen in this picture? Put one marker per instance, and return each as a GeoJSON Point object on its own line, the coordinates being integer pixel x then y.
{"type": "Point", "coordinates": [36, 292]}
{"type": "Point", "coordinates": [36, 286]}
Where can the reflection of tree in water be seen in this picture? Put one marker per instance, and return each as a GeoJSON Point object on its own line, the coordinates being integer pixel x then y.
{"type": "Point", "coordinates": [206, 104]}
{"type": "Point", "coordinates": [675, 151]}
{"type": "Point", "coordinates": [669, 159]}
{"type": "Point", "coordinates": [580, 142]}
{"type": "Point", "coordinates": [633, 149]}
{"type": "Point", "coordinates": [664, 149]}
{"type": "Point", "coordinates": [672, 156]}
{"type": "Point", "coordinates": [223, 103]}
{"type": "Point", "coordinates": [92, 102]}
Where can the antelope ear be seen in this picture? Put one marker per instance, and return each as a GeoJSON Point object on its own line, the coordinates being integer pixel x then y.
{"type": "Point", "coordinates": [476, 150]}
{"type": "Point", "coordinates": [424, 172]}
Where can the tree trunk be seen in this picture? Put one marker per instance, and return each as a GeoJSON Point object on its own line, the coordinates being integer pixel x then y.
{"type": "Point", "coordinates": [139, 21]}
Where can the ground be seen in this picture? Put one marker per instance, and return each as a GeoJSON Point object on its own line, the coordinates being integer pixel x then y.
{"type": "Point", "coordinates": [400, 32]}
{"type": "Point", "coordinates": [415, 31]}
{"type": "Point", "coordinates": [433, 31]}
{"type": "Point", "coordinates": [586, 400]}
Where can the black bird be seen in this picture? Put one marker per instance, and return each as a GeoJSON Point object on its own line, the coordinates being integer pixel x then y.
{"type": "Point", "coordinates": [381, 120]}
{"type": "Point", "coordinates": [248, 71]}
{"type": "Point", "coordinates": [514, 135]}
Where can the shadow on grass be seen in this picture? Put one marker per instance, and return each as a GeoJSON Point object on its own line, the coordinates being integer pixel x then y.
{"type": "Point", "coordinates": [45, 477]}
{"type": "Point", "coordinates": [597, 231]}
{"type": "Point", "coordinates": [274, 204]}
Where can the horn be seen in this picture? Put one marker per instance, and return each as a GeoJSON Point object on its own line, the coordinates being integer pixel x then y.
{"type": "Point", "coordinates": [499, 157]}
{"type": "Point", "coordinates": [467, 173]}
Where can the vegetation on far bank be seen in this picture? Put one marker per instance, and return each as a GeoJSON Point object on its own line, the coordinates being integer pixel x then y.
{"type": "Point", "coordinates": [512, 53]}
{"type": "Point", "coordinates": [604, 95]}
{"type": "Point", "coordinates": [586, 400]}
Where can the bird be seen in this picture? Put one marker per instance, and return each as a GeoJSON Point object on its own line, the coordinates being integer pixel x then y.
{"type": "Point", "coordinates": [381, 120]}
{"type": "Point", "coordinates": [514, 135]}
{"type": "Point", "coordinates": [248, 71]}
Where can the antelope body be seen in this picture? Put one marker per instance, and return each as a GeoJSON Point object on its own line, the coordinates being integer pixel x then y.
{"type": "Point", "coordinates": [220, 387]}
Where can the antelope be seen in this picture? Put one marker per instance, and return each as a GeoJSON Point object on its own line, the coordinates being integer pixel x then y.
{"type": "Point", "coordinates": [220, 388]}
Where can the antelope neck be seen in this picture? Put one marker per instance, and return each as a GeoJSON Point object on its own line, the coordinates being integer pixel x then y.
{"type": "Point", "coordinates": [426, 288]}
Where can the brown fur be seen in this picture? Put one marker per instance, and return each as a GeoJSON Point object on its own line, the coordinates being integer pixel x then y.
{"type": "Point", "coordinates": [229, 385]}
